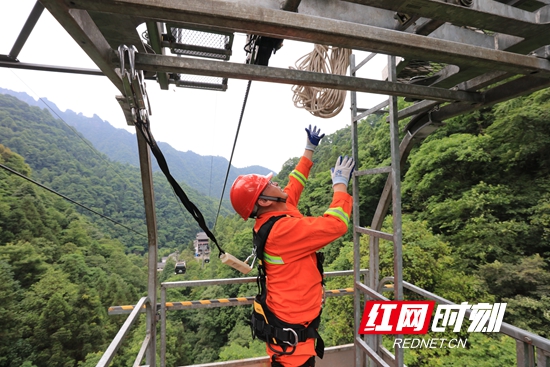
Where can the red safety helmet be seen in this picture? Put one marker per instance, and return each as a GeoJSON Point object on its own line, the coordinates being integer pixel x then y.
{"type": "Point", "coordinates": [245, 192]}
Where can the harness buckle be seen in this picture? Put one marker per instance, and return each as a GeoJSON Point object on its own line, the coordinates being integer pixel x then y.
{"type": "Point", "coordinates": [295, 337]}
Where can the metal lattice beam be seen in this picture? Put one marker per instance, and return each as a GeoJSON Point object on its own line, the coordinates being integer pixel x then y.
{"type": "Point", "coordinates": [302, 27]}
{"type": "Point", "coordinates": [288, 76]}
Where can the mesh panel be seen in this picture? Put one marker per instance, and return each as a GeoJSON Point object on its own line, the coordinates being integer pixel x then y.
{"type": "Point", "coordinates": [198, 53]}
{"type": "Point", "coordinates": [202, 82]}
{"type": "Point", "coordinates": [201, 44]}
{"type": "Point", "coordinates": [198, 38]}
{"type": "Point", "coordinates": [200, 79]}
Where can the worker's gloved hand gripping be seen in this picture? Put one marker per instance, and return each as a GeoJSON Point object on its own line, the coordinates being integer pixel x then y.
{"type": "Point", "coordinates": [313, 137]}
{"type": "Point", "coordinates": [342, 170]}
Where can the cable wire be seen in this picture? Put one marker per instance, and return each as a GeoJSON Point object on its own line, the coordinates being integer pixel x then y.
{"type": "Point", "coordinates": [68, 199]}
{"type": "Point", "coordinates": [78, 135]}
{"type": "Point", "coordinates": [144, 128]}
{"type": "Point", "coordinates": [233, 150]}
{"type": "Point", "coordinates": [72, 128]}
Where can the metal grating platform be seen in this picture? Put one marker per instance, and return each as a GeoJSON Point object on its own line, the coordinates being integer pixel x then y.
{"type": "Point", "coordinates": [200, 82]}
{"type": "Point", "coordinates": [200, 43]}
{"type": "Point", "coordinates": [204, 43]}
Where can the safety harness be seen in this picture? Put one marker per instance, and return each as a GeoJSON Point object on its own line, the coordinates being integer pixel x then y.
{"type": "Point", "coordinates": [264, 324]}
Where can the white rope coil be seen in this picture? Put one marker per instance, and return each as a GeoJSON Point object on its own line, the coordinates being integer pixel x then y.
{"type": "Point", "coordinates": [322, 102]}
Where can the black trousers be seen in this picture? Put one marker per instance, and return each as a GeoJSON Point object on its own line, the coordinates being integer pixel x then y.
{"type": "Point", "coordinates": [309, 363]}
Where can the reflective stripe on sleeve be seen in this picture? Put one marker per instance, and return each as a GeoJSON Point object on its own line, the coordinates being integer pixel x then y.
{"type": "Point", "coordinates": [338, 213]}
{"type": "Point", "coordinates": [299, 176]}
{"type": "Point", "coordinates": [275, 260]}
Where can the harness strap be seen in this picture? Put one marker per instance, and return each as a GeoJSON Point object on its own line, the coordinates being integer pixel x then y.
{"type": "Point", "coordinates": [269, 327]}
{"type": "Point", "coordinates": [291, 336]}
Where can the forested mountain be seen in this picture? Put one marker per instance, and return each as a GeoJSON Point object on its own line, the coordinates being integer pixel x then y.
{"type": "Point", "coordinates": [58, 276]}
{"type": "Point", "coordinates": [206, 174]}
{"type": "Point", "coordinates": [476, 213]}
{"type": "Point", "coordinates": [64, 161]}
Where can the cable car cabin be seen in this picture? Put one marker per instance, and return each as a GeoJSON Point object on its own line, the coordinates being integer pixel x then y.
{"type": "Point", "coordinates": [180, 267]}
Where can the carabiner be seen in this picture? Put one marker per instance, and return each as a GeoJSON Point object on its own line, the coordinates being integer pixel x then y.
{"type": "Point", "coordinates": [295, 337]}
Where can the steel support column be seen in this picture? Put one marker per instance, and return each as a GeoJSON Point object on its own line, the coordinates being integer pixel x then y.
{"type": "Point", "coordinates": [396, 200]}
{"type": "Point", "coordinates": [152, 237]}
{"type": "Point", "coordinates": [155, 31]}
{"type": "Point", "coordinates": [150, 216]}
{"type": "Point", "coordinates": [359, 357]}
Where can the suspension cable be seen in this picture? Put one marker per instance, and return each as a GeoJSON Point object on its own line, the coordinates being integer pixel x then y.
{"type": "Point", "coordinates": [68, 199]}
{"type": "Point", "coordinates": [138, 101]}
{"type": "Point", "coordinates": [233, 150]}
{"type": "Point", "coordinates": [108, 162]}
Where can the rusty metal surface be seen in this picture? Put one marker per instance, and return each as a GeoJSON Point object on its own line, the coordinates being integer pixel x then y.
{"type": "Point", "coordinates": [441, 43]}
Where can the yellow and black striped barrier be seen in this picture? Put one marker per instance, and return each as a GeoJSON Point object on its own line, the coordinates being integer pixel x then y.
{"type": "Point", "coordinates": [219, 302]}
{"type": "Point", "coordinates": [339, 292]}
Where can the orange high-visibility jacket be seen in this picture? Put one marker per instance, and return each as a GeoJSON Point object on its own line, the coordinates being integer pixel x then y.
{"type": "Point", "coordinates": [294, 289]}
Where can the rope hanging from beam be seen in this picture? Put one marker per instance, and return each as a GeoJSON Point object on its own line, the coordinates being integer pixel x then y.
{"type": "Point", "coordinates": [322, 102]}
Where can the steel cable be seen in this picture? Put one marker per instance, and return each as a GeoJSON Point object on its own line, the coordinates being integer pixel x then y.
{"type": "Point", "coordinates": [233, 151]}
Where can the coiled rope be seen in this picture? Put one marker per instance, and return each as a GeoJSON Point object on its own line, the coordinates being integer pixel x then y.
{"type": "Point", "coordinates": [322, 102]}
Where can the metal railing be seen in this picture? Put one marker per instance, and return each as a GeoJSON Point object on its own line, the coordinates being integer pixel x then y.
{"type": "Point", "coordinates": [110, 353]}
{"type": "Point", "coordinates": [144, 305]}
{"type": "Point", "coordinates": [526, 342]}
{"type": "Point", "coordinates": [531, 349]}
{"type": "Point", "coordinates": [165, 306]}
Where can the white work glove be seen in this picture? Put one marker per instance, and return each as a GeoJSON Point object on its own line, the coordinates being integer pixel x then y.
{"type": "Point", "coordinates": [342, 170]}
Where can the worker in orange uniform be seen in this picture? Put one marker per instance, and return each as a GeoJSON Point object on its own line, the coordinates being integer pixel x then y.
{"type": "Point", "coordinates": [287, 313]}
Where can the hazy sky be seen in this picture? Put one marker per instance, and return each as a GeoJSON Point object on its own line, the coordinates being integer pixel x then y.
{"type": "Point", "coordinates": [204, 122]}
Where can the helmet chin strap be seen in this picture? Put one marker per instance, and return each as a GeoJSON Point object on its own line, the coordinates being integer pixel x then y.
{"type": "Point", "coordinates": [272, 198]}
{"type": "Point", "coordinates": [254, 213]}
